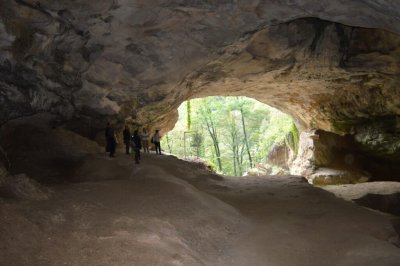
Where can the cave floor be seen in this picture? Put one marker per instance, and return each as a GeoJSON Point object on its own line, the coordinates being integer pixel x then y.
{"type": "Point", "coordinates": [169, 212]}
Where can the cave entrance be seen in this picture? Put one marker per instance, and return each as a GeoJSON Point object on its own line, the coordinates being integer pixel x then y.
{"type": "Point", "coordinates": [234, 136]}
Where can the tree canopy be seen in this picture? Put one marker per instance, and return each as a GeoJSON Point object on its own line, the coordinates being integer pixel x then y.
{"type": "Point", "coordinates": [232, 134]}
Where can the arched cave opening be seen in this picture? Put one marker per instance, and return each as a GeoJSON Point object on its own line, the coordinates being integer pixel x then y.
{"type": "Point", "coordinates": [67, 68]}
{"type": "Point", "coordinates": [234, 136]}
{"type": "Point", "coordinates": [324, 158]}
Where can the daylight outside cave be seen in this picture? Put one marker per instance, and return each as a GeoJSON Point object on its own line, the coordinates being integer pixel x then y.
{"type": "Point", "coordinates": [234, 136]}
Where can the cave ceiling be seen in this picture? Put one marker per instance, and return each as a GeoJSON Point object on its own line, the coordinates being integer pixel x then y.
{"type": "Point", "coordinates": [332, 65]}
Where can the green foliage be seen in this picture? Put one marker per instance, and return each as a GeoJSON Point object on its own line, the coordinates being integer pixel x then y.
{"type": "Point", "coordinates": [292, 139]}
{"type": "Point", "coordinates": [274, 131]}
{"type": "Point", "coordinates": [230, 133]}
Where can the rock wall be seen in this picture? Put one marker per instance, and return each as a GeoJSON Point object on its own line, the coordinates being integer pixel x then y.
{"type": "Point", "coordinates": [43, 150]}
{"type": "Point", "coordinates": [280, 155]}
{"type": "Point", "coordinates": [326, 158]}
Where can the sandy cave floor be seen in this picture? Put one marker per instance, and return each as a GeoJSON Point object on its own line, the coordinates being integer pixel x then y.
{"type": "Point", "coordinates": [169, 212]}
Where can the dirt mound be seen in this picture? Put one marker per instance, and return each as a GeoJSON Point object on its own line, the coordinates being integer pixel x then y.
{"type": "Point", "coordinates": [22, 187]}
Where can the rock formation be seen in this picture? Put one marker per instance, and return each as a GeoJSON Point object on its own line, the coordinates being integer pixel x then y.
{"type": "Point", "coordinates": [332, 65]}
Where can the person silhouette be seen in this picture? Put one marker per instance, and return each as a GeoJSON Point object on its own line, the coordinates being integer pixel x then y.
{"type": "Point", "coordinates": [137, 145]}
{"type": "Point", "coordinates": [156, 140]}
{"type": "Point", "coordinates": [127, 139]}
{"type": "Point", "coordinates": [111, 140]}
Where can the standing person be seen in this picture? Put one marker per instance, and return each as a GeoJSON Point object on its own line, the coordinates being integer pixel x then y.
{"type": "Point", "coordinates": [137, 145]}
{"type": "Point", "coordinates": [127, 139]}
{"type": "Point", "coordinates": [107, 133]}
{"type": "Point", "coordinates": [110, 139]}
{"type": "Point", "coordinates": [156, 140]}
{"type": "Point", "coordinates": [145, 140]}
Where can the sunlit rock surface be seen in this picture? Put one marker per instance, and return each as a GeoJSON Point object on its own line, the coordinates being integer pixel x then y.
{"type": "Point", "coordinates": [138, 60]}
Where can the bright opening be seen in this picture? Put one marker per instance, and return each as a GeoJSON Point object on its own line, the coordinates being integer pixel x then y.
{"type": "Point", "coordinates": [234, 136]}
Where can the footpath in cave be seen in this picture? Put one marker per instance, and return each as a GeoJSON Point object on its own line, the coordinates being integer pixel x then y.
{"type": "Point", "coordinates": [166, 211]}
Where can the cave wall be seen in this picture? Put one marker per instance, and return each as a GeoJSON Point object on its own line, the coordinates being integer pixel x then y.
{"type": "Point", "coordinates": [44, 150]}
{"type": "Point", "coordinates": [332, 65]}
{"type": "Point", "coordinates": [326, 158]}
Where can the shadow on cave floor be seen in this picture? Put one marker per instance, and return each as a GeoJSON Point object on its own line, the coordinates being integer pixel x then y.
{"type": "Point", "coordinates": [384, 203]}
{"type": "Point", "coordinates": [389, 203]}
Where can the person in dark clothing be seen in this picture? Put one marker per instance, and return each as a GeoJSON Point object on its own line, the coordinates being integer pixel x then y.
{"type": "Point", "coordinates": [107, 133]}
{"type": "Point", "coordinates": [111, 140]}
{"type": "Point", "coordinates": [127, 139]}
{"type": "Point", "coordinates": [137, 145]}
{"type": "Point", "coordinates": [156, 140]}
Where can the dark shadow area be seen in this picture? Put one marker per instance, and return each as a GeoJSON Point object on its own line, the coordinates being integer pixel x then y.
{"type": "Point", "coordinates": [396, 226]}
{"type": "Point", "coordinates": [43, 152]}
{"type": "Point", "coordinates": [381, 169]}
{"type": "Point", "coordinates": [384, 203]}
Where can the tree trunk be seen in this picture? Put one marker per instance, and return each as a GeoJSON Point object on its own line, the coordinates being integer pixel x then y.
{"type": "Point", "coordinates": [168, 143]}
{"type": "Point", "coordinates": [189, 115]}
{"type": "Point", "coordinates": [213, 134]}
{"type": "Point", "coordinates": [235, 146]}
{"type": "Point", "coordinates": [245, 138]}
{"type": "Point", "coordinates": [234, 161]}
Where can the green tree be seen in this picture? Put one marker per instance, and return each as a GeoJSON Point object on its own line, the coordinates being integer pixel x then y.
{"type": "Point", "coordinates": [188, 112]}
{"type": "Point", "coordinates": [207, 115]}
{"type": "Point", "coordinates": [231, 133]}
{"type": "Point", "coordinates": [169, 143]}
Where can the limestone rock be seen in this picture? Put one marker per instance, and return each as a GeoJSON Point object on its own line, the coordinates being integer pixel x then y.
{"type": "Point", "coordinates": [304, 164]}
{"type": "Point", "coordinates": [266, 169]}
{"type": "Point", "coordinates": [279, 156]}
{"type": "Point", "coordinates": [325, 176]}
{"type": "Point", "coordinates": [326, 158]}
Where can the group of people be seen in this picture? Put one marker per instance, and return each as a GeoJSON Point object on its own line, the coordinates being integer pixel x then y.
{"type": "Point", "coordinates": [135, 142]}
